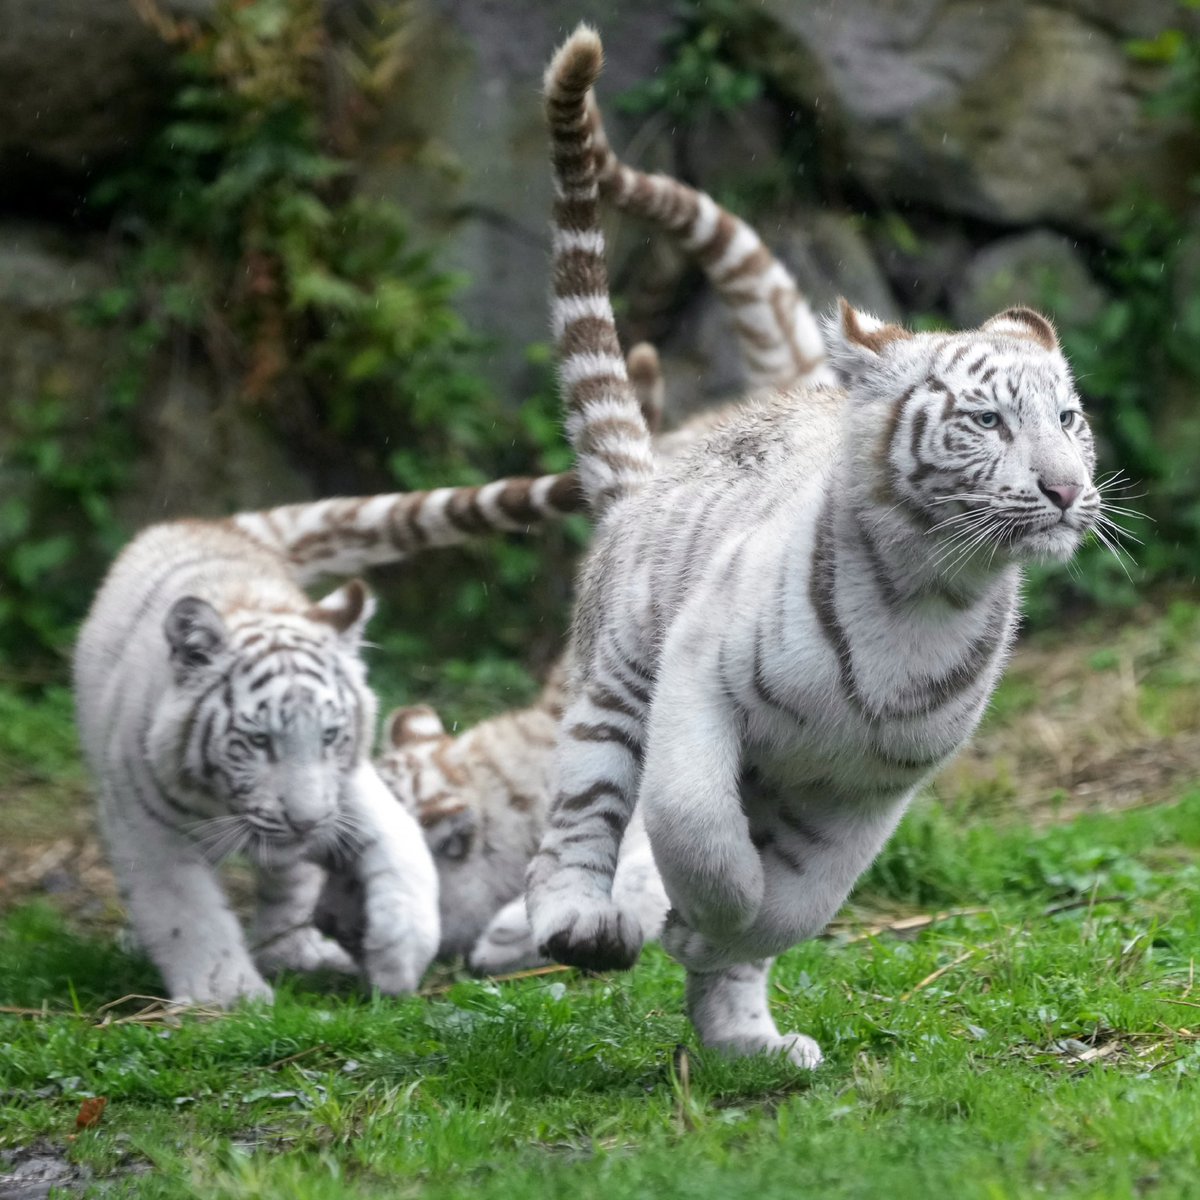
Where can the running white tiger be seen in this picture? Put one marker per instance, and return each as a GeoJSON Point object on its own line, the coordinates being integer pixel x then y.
{"type": "Point", "coordinates": [222, 710]}
{"type": "Point", "coordinates": [781, 635]}
{"type": "Point", "coordinates": [482, 797]}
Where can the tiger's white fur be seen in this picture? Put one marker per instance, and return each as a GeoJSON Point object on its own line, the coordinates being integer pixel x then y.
{"type": "Point", "coordinates": [778, 638]}
{"type": "Point", "coordinates": [221, 710]}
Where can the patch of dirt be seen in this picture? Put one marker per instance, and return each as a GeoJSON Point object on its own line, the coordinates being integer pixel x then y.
{"type": "Point", "coordinates": [39, 1170]}
{"type": "Point", "coordinates": [1102, 720]}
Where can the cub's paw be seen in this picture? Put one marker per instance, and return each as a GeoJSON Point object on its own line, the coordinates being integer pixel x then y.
{"type": "Point", "coordinates": [692, 949]}
{"type": "Point", "coordinates": [506, 944]}
{"type": "Point", "coordinates": [304, 949]}
{"type": "Point", "coordinates": [597, 936]}
{"type": "Point", "coordinates": [800, 1050]}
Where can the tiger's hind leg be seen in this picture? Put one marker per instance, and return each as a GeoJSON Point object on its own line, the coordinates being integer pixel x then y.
{"type": "Point", "coordinates": [572, 912]}
{"type": "Point", "coordinates": [284, 937]}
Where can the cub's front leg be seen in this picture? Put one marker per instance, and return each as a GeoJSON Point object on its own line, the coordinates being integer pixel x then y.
{"type": "Point", "coordinates": [284, 935]}
{"type": "Point", "coordinates": [399, 884]}
{"type": "Point", "coordinates": [690, 794]}
{"type": "Point", "coordinates": [179, 912]}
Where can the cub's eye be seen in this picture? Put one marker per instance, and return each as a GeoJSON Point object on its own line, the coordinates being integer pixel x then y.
{"type": "Point", "coordinates": [330, 735]}
{"type": "Point", "coordinates": [1068, 418]}
{"type": "Point", "coordinates": [260, 741]}
{"type": "Point", "coordinates": [988, 419]}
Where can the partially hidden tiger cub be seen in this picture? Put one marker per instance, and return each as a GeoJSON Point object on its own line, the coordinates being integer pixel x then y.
{"type": "Point", "coordinates": [781, 634]}
{"type": "Point", "coordinates": [221, 710]}
{"type": "Point", "coordinates": [482, 796]}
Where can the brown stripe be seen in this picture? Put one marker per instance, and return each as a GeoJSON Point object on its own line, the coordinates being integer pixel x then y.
{"type": "Point", "coordinates": [713, 249]}
{"type": "Point", "coordinates": [589, 334]}
{"type": "Point", "coordinates": [580, 800]}
{"type": "Point", "coordinates": [604, 732]}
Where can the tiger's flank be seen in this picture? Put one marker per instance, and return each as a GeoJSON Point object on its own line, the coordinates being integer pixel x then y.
{"type": "Point", "coordinates": [222, 711]}
{"type": "Point", "coordinates": [780, 635]}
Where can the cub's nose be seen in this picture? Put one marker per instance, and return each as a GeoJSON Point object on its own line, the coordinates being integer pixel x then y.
{"type": "Point", "coordinates": [1062, 495]}
{"type": "Point", "coordinates": [301, 825]}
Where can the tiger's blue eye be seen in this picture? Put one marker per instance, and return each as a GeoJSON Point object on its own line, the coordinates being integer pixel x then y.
{"type": "Point", "coordinates": [1067, 417]}
{"type": "Point", "coordinates": [986, 419]}
{"type": "Point", "coordinates": [260, 741]}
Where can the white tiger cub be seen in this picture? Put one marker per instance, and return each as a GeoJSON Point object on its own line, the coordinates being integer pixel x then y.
{"type": "Point", "coordinates": [779, 636]}
{"type": "Point", "coordinates": [222, 710]}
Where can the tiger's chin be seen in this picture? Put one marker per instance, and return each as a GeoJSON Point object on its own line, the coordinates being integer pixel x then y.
{"type": "Point", "coordinates": [1055, 544]}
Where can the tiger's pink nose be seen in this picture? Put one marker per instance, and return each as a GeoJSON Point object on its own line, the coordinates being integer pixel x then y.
{"type": "Point", "coordinates": [1062, 495]}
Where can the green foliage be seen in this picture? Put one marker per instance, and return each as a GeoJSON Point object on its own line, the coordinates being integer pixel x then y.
{"type": "Point", "coordinates": [1036, 1046]}
{"type": "Point", "coordinates": [247, 239]}
{"type": "Point", "coordinates": [702, 74]}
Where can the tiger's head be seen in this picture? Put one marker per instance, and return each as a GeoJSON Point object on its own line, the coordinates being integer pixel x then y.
{"type": "Point", "coordinates": [978, 437]}
{"type": "Point", "coordinates": [268, 715]}
{"type": "Point", "coordinates": [418, 770]}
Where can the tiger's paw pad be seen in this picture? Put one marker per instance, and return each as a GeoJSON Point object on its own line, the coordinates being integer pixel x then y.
{"type": "Point", "coordinates": [799, 1049]}
{"type": "Point", "coordinates": [600, 937]}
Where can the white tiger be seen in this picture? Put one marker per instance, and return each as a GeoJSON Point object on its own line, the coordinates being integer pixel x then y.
{"type": "Point", "coordinates": [781, 635]}
{"type": "Point", "coordinates": [482, 796]}
{"type": "Point", "coordinates": [221, 710]}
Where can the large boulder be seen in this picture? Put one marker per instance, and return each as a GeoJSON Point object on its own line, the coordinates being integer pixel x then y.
{"type": "Point", "coordinates": [81, 81]}
{"type": "Point", "coordinates": [1040, 268]}
{"type": "Point", "coordinates": [1014, 112]}
{"type": "Point", "coordinates": [461, 143]}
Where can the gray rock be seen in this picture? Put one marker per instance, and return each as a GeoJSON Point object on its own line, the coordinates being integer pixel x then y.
{"type": "Point", "coordinates": [1041, 269]}
{"type": "Point", "coordinates": [80, 82]}
{"type": "Point", "coordinates": [461, 143]}
{"type": "Point", "coordinates": [1010, 111]}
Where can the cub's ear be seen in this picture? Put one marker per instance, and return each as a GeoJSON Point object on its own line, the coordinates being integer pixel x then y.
{"type": "Point", "coordinates": [1023, 322]}
{"type": "Point", "coordinates": [348, 610]}
{"type": "Point", "coordinates": [418, 723]}
{"type": "Point", "coordinates": [195, 633]}
{"type": "Point", "coordinates": [858, 342]}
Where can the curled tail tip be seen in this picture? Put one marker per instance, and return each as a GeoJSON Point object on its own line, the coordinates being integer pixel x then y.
{"type": "Point", "coordinates": [645, 374]}
{"type": "Point", "coordinates": [644, 367]}
{"type": "Point", "coordinates": [576, 65]}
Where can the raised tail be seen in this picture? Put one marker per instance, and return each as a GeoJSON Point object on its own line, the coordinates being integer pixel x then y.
{"type": "Point", "coordinates": [346, 535]}
{"type": "Point", "coordinates": [606, 427]}
{"type": "Point", "coordinates": [779, 337]}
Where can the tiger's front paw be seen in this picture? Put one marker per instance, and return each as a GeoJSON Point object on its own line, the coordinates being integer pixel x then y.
{"type": "Point", "coordinates": [596, 935]}
{"type": "Point", "coordinates": [396, 968]}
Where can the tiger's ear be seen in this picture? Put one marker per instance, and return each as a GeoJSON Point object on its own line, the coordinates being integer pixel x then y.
{"type": "Point", "coordinates": [1023, 322]}
{"type": "Point", "coordinates": [348, 610]}
{"type": "Point", "coordinates": [195, 633]}
{"type": "Point", "coordinates": [859, 342]}
{"type": "Point", "coordinates": [418, 723]}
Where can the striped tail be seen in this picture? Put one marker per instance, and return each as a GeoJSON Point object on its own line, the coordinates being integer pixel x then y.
{"type": "Point", "coordinates": [606, 427]}
{"type": "Point", "coordinates": [779, 337]}
{"type": "Point", "coordinates": [346, 535]}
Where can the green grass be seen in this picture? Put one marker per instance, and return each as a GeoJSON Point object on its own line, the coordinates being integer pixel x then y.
{"type": "Point", "coordinates": [965, 1083]}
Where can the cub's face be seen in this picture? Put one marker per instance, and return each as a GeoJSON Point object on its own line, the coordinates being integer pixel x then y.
{"type": "Point", "coordinates": [277, 717]}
